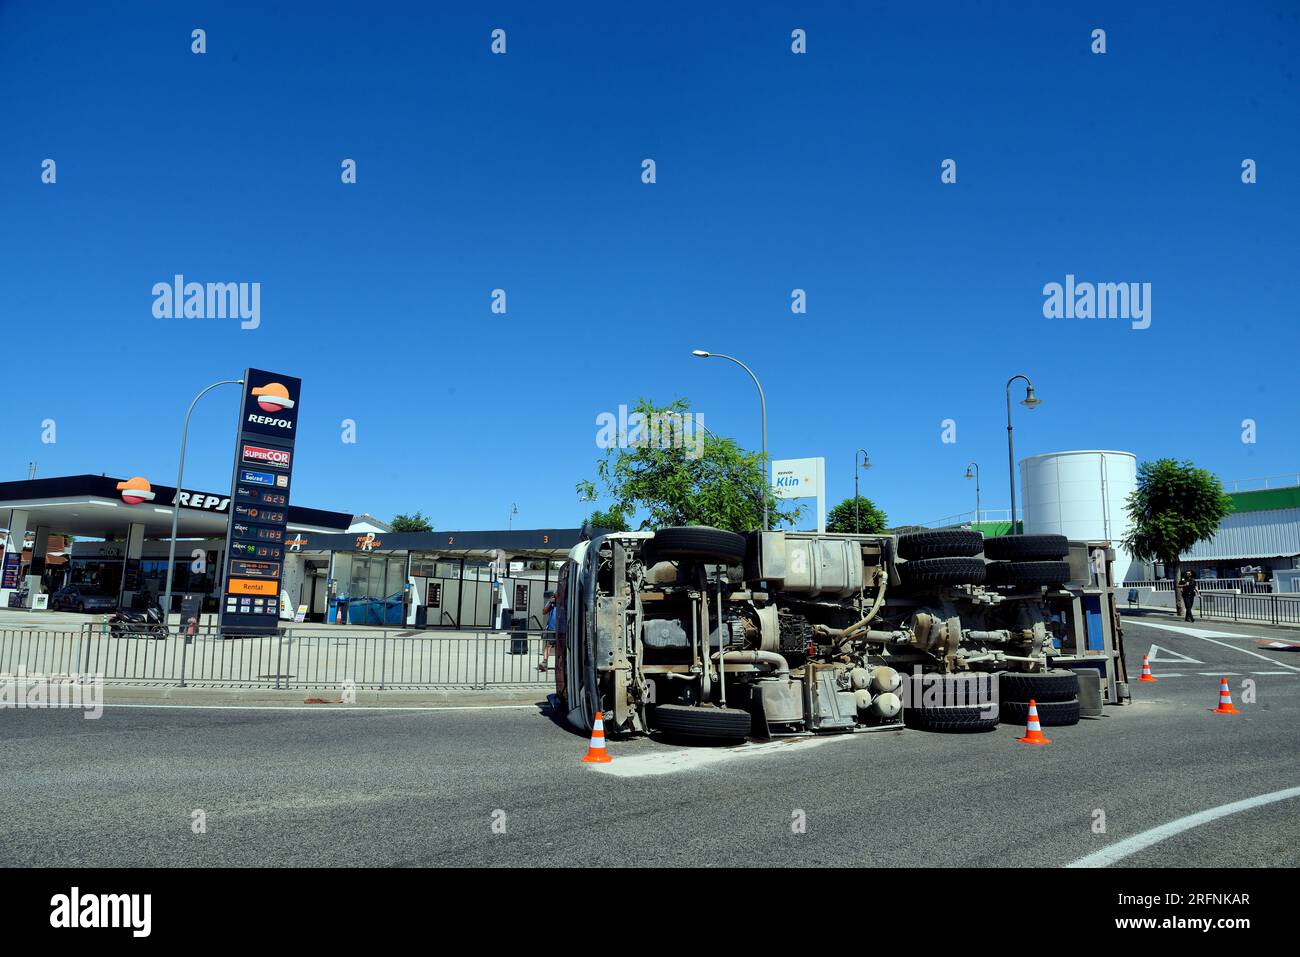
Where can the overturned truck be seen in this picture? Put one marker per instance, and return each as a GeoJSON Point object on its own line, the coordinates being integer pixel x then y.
{"type": "Point", "coordinates": [704, 633]}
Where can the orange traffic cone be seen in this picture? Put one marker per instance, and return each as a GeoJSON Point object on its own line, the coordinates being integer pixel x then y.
{"type": "Point", "coordinates": [1146, 670]}
{"type": "Point", "coordinates": [1225, 699]}
{"type": "Point", "coordinates": [1033, 730]}
{"type": "Point", "coordinates": [596, 752]}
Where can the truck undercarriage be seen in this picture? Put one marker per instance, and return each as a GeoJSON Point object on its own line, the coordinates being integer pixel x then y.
{"type": "Point", "coordinates": [698, 632]}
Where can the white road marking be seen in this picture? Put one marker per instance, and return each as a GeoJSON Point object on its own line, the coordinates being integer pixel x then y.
{"type": "Point", "coordinates": [1193, 632]}
{"type": "Point", "coordinates": [1138, 842]}
{"type": "Point", "coordinates": [670, 762]}
{"type": "Point", "coordinates": [1210, 636]}
{"type": "Point", "coordinates": [1173, 656]}
{"type": "Point", "coordinates": [323, 707]}
{"type": "Point", "coordinates": [1215, 674]}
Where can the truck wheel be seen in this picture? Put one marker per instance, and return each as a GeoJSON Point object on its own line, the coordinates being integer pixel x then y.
{"type": "Point", "coordinates": [942, 571]}
{"type": "Point", "coordinates": [954, 719]}
{"type": "Point", "coordinates": [1026, 548]}
{"type": "Point", "coordinates": [698, 543]}
{"type": "Point", "coordinates": [1028, 573]}
{"type": "Point", "coordinates": [943, 543]}
{"type": "Point", "coordinates": [1051, 714]}
{"type": "Point", "coordinates": [702, 722]}
{"type": "Point", "coordinates": [1057, 685]}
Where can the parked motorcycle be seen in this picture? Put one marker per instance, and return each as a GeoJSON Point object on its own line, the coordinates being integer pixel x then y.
{"type": "Point", "coordinates": [141, 624]}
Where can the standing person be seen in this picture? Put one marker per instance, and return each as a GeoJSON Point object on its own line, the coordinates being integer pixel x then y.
{"type": "Point", "coordinates": [561, 619]}
{"type": "Point", "coordinates": [1188, 587]}
{"type": "Point", "coordinates": [548, 640]}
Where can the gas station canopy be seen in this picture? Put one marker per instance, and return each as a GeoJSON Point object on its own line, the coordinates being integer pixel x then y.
{"type": "Point", "coordinates": [100, 506]}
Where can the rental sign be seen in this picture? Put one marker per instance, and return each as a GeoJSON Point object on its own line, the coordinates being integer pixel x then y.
{"type": "Point", "coordinates": [260, 487]}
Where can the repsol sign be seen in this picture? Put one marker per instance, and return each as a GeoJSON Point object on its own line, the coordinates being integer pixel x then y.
{"type": "Point", "coordinates": [279, 423]}
{"type": "Point", "coordinates": [263, 469]}
{"type": "Point", "coordinates": [270, 405]}
{"type": "Point", "coordinates": [199, 500]}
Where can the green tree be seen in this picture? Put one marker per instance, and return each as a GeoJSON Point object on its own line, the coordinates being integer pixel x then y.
{"type": "Point", "coordinates": [411, 523]}
{"type": "Point", "coordinates": [610, 519]}
{"type": "Point", "coordinates": [1174, 506]}
{"type": "Point", "coordinates": [871, 520]}
{"type": "Point", "coordinates": [676, 476]}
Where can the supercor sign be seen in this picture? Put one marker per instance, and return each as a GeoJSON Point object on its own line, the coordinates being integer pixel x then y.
{"type": "Point", "coordinates": [262, 455]}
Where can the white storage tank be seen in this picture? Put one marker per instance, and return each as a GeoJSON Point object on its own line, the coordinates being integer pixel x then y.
{"type": "Point", "coordinates": [1081, 495]}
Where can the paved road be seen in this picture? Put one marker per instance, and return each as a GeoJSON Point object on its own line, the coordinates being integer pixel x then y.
{"type": "Point", "coordinates": [340, 787]}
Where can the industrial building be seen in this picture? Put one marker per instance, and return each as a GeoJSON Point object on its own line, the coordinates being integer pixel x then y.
{"type": "Point", "coordinates": [1259, 540]}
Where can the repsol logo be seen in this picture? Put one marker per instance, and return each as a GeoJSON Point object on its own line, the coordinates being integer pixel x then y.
{"type": "Point", "coordinates": [209, 503]}
{"type": "Point", "coordinates": [269, 420]}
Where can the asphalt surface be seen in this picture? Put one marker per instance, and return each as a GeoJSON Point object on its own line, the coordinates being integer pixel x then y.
{"type": "Point", "coordinates": [504, 785]}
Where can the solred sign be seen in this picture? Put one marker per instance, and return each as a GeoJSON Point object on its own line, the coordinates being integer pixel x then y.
{"type": "Point", "coordinates": [260, 487]}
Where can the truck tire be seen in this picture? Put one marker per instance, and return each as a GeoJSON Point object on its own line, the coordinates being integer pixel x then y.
{"type": "Point", "coordinates": [941, 571]}
{"type": "Point", "coordinates": [1051, 714]}
{"type": "Point", "coordinates": [701, 722]}
{"type": "Point", "coordinates": [1026, 548]}
{"type": "Point", "coordinates": [953, 719]}
{"type": "Point", "coordinates": [1028, 573]}
{"type": "Point", "coordinates": [942, 543]}
{"type": "Point", "coordinates": [697, 543]}
{"type": "Point", "coordinates": [1059, 684]}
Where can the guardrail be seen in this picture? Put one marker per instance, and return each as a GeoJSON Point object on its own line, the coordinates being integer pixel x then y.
{"type": "Point", "coordinates": [1247, 586]}
{"type": "Point", "coordinates": [1288, 480]}
{"type": "Point", "coordinates": [1265, 609]}
{"type": "Point", "coordinates": [288, 660]}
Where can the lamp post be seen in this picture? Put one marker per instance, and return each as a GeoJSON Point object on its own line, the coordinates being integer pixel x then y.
{"type": "Point", "coordinates": [1030, 401]}
{"type": "Point", "coordinates": [510, 519]}
{"type": "Point", "coordinates": [976, 476]}
{"type": "Point", "coordinates": [866, 464]}
{"type": "Point", "coordinates": [762, 401]}
{"type": "Point", "coordinates": [176, 498]}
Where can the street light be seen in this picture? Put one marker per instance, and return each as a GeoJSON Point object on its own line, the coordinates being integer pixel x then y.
{"type": "Point", "coordinates": [866, 464]}
{"type": "Point", "coordinates": [1030, 401]}
{"type": "Point", "coordinates": [976, 476]}
{"type": "Point", "coordinates": [176, 498]}
{"type": "Point", "coordinates": [762, 400]}
{"type": "Point", "coordinates": [510, 519]}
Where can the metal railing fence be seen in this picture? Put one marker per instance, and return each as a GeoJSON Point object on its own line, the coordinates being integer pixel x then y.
{"type": "Point", "coordinates": [1247, 586]}
{"type": "Point", "coordinates": [1263, 609]}
{"type": "Point", "coordinates": [288, 660]}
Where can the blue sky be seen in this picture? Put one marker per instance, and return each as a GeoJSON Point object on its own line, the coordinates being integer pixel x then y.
{"type": "Point", "coordinates": [522, 172]}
